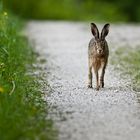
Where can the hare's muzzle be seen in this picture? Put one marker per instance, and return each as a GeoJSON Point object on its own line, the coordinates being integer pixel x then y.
{"type": "Point", "coordinates": [99, 51]}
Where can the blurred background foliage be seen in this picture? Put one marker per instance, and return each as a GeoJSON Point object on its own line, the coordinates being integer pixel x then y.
{"type": "Point", "coordinates": [99, 10]}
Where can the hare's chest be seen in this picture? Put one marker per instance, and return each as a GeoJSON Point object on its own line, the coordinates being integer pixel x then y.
{"type": "Point", "coordinates": [97, 62]}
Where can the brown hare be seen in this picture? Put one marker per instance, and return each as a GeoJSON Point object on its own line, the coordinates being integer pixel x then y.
{"type": "Point", "coordinates": [98, 53]}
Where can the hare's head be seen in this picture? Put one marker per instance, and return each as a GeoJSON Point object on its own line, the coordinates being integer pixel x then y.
{"type": "Point", "coordinates": [100, 42]}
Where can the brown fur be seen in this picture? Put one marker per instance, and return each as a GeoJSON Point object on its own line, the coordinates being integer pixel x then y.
{"type": "Point", "coordinates": [98, 53]}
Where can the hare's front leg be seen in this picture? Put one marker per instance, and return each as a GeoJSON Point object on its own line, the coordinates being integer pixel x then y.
{"type": "Point", "coordinates": [90, 77]}
{"type": "Point", "coordinates": [102, 74]}
{"type": "Point", "coordinates": [90, 74]}
{"type": "Point", "coordinates": [97, 79]}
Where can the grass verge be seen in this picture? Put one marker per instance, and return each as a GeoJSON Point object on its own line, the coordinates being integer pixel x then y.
{"type": "Point", "coordinates": [127, 60]}
{"type": "Point", "coordinates": [22, 108]}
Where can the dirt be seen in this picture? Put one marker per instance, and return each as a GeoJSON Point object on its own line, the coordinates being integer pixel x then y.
{"type": "Point", "coordinates": [80, 113]}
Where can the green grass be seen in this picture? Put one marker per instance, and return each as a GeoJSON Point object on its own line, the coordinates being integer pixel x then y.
{"type": "Point", "coordinates": [127, 60]}
{"type": "Point", "coordinates": [22, 109]}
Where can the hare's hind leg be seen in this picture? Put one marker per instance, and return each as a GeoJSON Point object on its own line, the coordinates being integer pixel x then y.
{"type": "Point", "coordinates": [90, 73]}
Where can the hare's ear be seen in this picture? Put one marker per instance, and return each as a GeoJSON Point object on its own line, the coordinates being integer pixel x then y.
{"type": "Point", "coordinates": [105, 31]}
{"type": "Point", "coordinates": [94, 31]}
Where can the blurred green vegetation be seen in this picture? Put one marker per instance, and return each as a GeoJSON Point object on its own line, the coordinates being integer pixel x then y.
{"type": "Point", "coordinates": [23, 111]}
{"type": "Point", "coordinates": [129, 65]}
{"type": "Point", "coordinates": [100, 10]}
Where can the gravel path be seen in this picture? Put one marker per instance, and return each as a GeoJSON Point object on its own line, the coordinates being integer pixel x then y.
{"type": "Point", "coordinates": [80, 113]}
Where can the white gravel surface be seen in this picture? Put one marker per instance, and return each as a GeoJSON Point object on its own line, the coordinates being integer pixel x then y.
{"type": "Point", "coordinates": [80, 113]}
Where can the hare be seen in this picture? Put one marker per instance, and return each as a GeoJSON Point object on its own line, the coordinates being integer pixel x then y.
{"type": "Point", "coordinates": [98, 53]}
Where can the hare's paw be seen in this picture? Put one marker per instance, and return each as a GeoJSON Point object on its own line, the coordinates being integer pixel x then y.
{"type": "Point", "coordinates": [89, 85]}
{"type": "Point", "coordinates": [97, 88]}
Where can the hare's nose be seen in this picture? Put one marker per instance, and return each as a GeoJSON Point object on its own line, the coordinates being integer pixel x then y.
{"type": "Point", "coordinates": [100, 51]}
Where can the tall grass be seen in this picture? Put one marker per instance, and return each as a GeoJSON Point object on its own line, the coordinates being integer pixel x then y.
{"type": "Point", "coordinates": [22, 109]}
